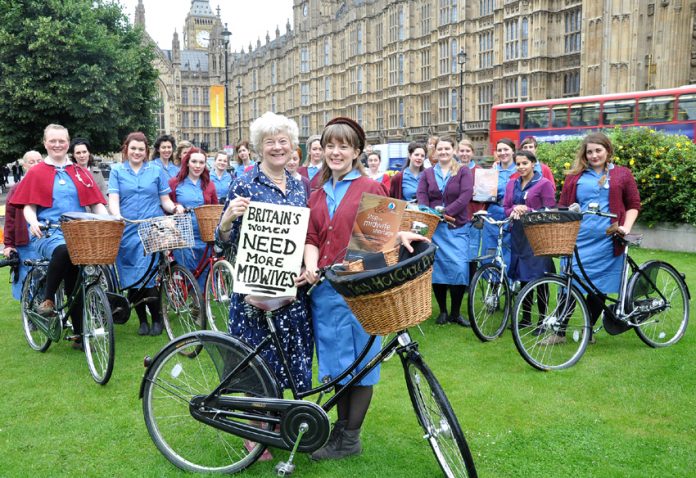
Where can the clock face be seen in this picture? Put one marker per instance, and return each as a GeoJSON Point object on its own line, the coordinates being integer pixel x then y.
{"type": "Point", "coordinates": [203, 38]}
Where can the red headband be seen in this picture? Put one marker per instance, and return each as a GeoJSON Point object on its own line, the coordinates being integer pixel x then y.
{"type": "Point", "coordinates": [352, 125]}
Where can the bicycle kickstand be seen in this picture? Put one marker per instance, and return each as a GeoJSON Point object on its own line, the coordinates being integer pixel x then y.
{"type": "Point", "coordinates": [285, 468]}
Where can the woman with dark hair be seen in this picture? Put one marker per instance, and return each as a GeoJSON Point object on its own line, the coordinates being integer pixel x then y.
{"type": "Point", "coordinates": [243, 153]}
{"type": "Point", "coordinates": [79, 150]}
{"type": "Point", "coordinates": [191, 188]}
{"type": "Point", "coordinates": [450, 186]}
{"type": "Point", "coordinates": [138, 190]}
{"type": "Point", "coordinates": [50, 189]}
{"type": "Point", "coordinates": [404, 184]}
{"type": "Point", "coordinates": [339, 336]}
{"type": "Point", "coordinates": [163, 155]}
{"type": "Point", "coordinates": [530, 144]}
{"type": "Point", "coordinates": [374, 159]}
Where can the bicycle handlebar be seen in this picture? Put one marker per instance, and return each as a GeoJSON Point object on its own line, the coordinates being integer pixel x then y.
{"type": "Point", "coordinates": [483, 216]}
{"type": "Point", "coordinates": [11, 261]}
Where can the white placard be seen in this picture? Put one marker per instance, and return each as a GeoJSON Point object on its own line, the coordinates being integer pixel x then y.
{"type": "Point", "coordinates": [270, 249]}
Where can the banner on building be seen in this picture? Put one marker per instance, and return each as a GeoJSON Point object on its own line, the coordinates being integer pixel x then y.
{"type": "Point", "coordinates": [217, 106]}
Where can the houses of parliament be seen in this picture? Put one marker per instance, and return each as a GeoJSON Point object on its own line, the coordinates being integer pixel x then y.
{"type": "Point", "coordinates": [398, 67]}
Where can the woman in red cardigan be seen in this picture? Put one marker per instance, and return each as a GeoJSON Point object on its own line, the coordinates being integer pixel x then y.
{"type": "Point", "coordinates": [338, 335]}
{"type": "Point", "coordinates": [595, 179]}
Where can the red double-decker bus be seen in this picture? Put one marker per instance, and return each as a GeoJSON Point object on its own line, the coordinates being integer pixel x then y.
{"type": "Point", "coordinates": [670, 110]}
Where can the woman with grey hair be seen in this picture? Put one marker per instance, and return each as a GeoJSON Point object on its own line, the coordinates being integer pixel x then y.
{"type": "Point", "coordinates": [275, 137]}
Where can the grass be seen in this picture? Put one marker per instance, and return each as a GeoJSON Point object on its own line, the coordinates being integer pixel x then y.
{"type": "Point", "coordinates": [624, 410]}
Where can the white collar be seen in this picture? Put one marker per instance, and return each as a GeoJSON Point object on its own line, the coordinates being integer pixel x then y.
{"type": "Point", "coordinates": [52, 162]}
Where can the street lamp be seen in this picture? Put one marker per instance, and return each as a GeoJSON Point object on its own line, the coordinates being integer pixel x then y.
{"type": "Point", "coordinates": [461, 59]}
{"type": "Point", "coordinates": [226, 41]}
{"type": "Point", "coordinates": [239, 109]}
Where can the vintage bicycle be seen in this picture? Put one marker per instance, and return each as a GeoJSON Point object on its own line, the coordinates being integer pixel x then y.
{"type": "Point", "coordinates": [205, 393]}
{"type": "Point", "coordinates": [551, 322]}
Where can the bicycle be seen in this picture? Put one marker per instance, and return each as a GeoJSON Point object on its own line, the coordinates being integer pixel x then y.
{"type": "Point", "coordinates": [653, 300]}
{"type": "Point", "coordinates": [205, 393]}
{"type": "Point", "coordinates": [97, 323]}
{"type": "Point", "coordinates": [490, 293]}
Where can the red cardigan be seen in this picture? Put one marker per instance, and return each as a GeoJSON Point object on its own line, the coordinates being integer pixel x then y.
{"type": "Point", "coordinates": [396, 190]}
{"type": "Point", "coordinates": [623, 195]}
{"type": "Point", "coordinates": [16, 233]}
{"type": "Point", "coordinates": [331, 236]}
{"type": "Point", "coordinates": [37, 186]}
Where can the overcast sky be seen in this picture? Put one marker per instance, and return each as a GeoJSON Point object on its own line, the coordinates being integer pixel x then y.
{"type": "Point", "coordinates": [248, 20]}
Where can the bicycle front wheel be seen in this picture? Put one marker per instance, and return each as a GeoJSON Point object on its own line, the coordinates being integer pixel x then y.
{"type": "Point", "coordinates": [551, 325]}
{"type": "Point", "coordinates": [489, 302]}
{"type": "Point", "coordinates": [181, 302]}
{"type": "Point", "coordinates": [659, 296]}
{"type": "Point", "coordinates": [98, 334]}
{"type": "Point", "coordinates": [193, 366]}
{"type": "Point", "coordinates": [438, 420]}
{"type": "Point", "coordinates": [218, 295]}
{"type": "Point", "coordinates": [32, 294]}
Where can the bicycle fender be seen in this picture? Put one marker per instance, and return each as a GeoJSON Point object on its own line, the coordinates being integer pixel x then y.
{"type": "Point", "coordinates": [667, 265]}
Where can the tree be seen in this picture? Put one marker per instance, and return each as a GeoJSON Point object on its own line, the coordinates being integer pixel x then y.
{"type": "Point", "coordinates": [78, 63]}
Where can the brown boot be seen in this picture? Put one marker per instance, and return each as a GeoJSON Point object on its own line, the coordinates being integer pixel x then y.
{"type": "Point", "coordinates": [46, 308]}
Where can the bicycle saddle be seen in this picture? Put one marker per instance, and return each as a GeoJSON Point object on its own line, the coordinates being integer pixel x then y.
{"type": "Point", "coordinates": [268, 304]}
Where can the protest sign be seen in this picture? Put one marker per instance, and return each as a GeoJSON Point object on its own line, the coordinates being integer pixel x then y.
{"type": "Point", "coordinates": [270, 249]}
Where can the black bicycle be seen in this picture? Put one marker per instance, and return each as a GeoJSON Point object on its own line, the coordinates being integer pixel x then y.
{"type": "Point", "coordinates": [205, 394]}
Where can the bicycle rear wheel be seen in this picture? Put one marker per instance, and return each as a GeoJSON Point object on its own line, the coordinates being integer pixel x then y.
{"type": "Point", "coordinates": [438, 420]}
{"type": "Point", "coordinates": [551, 325]}
{"type": "Point", "coordinates": [659, 294]}
{"type": "Point", "coordinates": [489, 302]}
{"type": "Point", "coordinates": [98, 334]}
{"type": "Point", "coordinates": [218, 295]}
{"type": "Point", "coordinates": [181, 302]}
{"type": "Point", "coordinates": [192, 366]}
{"type": "Point", "coordinates": [32, 295]}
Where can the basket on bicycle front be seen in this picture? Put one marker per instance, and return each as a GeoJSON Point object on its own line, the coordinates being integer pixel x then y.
{"type": "Point", "coordinates": [92, 239]}
{"type": "Point", "coordinates": [424, 221]}
{"type": "Point", "coordinates": [551, 233]}
{"type": "Point", "coordinates": [208, 217]}
{"type": "Point", "coordinates": [163, 233]}
{"type": "Point", "coordinates": [391, 298]}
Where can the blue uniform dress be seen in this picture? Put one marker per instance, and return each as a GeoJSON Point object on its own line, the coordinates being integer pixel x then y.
{"type": "Point", "coordinates": [170, 171]}
{"type": "Point", "coordinates": [293, 322]}
{"type": "Point", "coordinates": [312, 171]}
{"type": "Point", "coordinates": [473, 233]}
{"type": "Point", "coordinates": [190, 195]}
{"type": "Point", "coordinates": [139, 195]}
{"type": "Point", "coordinates": [25, 253]}
{"type": "Point", "coordinates": [595, 247]}
{"type": "Point", "coordinates": [222, 184]}
{"type": "Point", "coordinates": [496, 211]}
{"type": "Point", "coordinates": [239, 169]}
{"type": "Point", "coordinates": [65, 199]}
{"type": "Point", "coordinates": [409, 184]}
{"type": "Point", "coordinates": [339, 335]}
{"type": "Point", "coordinates": [451, 264]}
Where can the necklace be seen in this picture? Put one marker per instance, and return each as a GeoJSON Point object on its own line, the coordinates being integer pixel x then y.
{"type": "Point", "coordinates": [276, 179]}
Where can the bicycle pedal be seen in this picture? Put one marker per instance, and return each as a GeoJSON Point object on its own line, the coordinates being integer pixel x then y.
{"type": "Point", "coordinates": [73, 338]}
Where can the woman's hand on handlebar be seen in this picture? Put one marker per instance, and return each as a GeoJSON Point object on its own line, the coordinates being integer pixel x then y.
{"type": "Point", "coordinates": [518, 211]}
{"type": "Point", "coordinates": [35, 230]}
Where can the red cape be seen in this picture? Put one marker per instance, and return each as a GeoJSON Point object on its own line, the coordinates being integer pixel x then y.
{"type": "Point", "coordinates": [37, 186]}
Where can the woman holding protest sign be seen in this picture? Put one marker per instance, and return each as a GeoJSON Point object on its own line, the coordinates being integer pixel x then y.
{"type": "Point", "coordinates": [340, 337]}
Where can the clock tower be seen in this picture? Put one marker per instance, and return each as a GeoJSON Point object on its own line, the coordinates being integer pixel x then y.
{"type": "Point", "coordinates": [199, 25]}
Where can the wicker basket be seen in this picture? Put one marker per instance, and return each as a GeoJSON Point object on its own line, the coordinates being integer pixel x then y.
{"type": "Point", "coordinates": [163, 233]}
{"type": "Point", "coordinates": [395, 309]}
{"type": "Point", "coordinates": [93, 242]}
{"type": "Point", "coordinates": [552, 233]}
{"type": "Point", "coordinates": [391, 257]}
{"type": "Point", "coordinates": [208, 217]}
{"type": "Point", "coordinates": [410, 216]}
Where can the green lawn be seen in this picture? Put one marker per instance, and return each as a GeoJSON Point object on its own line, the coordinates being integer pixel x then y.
{"type": "Point", "coordinates": [624, 410]}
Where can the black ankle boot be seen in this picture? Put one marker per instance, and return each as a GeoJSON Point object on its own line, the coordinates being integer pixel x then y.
{"type": "Point", "coordinates": [156, 328]}
{"type": "Point", "coordinates": [144, 328]}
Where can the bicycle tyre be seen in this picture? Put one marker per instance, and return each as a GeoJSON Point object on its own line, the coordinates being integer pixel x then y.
{"type": "Point", "coordinates": [98, 334]}
{"type": "Point", "coordinates": [489, 303]}
{"type": "Point", "coordinates": [194, 365]}
{"type": "Point", "coordinates": [181, 307]}
{"type": "Point", "coordinates": [665, 327]}
{"type": "Point", "coordinates": [218, 295]}
{"type": "Point", "coordinates": [32, 289]}
{"type": "Point", "coordinates": [556, 340]}
{"type": "Point", "coordinates": [437, 419]}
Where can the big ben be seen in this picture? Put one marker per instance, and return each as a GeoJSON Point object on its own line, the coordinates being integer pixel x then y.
{"type": "Point", "coordinates": [199, 25]}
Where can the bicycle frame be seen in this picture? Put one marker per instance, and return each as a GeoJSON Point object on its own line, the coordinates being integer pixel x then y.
{"type": "Point", "coordinates": [497, 257]}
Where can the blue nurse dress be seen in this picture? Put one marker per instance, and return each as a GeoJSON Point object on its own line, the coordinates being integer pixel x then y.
{"type": "Point", "coordinates": [139, 195]}
{"type": "Point", "coordinates": [496, 211]}
{"type": "Point", "coordinates": [222, 184]}
{"type": "Point", "coordinates": [409, 184]}
{"type": "Point", "coordinates": [189, 194]}
{"type": "Point", "coordinates": [170, 170]}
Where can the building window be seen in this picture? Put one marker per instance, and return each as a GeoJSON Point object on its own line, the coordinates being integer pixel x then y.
{"type": "Point", "coordinates": [359, 39]}
{"type": "Point", "coordinates": [160, 114]}
{"type": "Point", "coordinates": [425, 18]}
{"type": "Point", "coordinates": [304, 94]}
{"type": "Point", "coordinates": [304, 120]}
{"type": "Point", "coordinates": [184, 96]}
{"type": "Point", "coordinates": [185, 119]}
{"type": "Point", "coordinates": [453, 55]}
{"type": "Point", "coordinates": [573, 25]}
{"type": "Point", "coordinates": [360, 79]}
{"type": "Point", "coordinates": [206, 119]}
{"type": "Point", "coordinates": [425, 64]}
{"type": "Point", "coordinates": [511, 89]}
{"type": "Point", "coordinates": [327, 52]}
{"type": "Point", "coordinates": [396, 69]}
{"type": "Point", "coordinates": [206, 96]}
{"type": "Point", "coordinates": [196, 119]}
{"type": "Point", "coordinates": [254, 80]}
{"type": "Point", "coordinates": [327, 88]}
{"type": "Point", "coordinates": [359, 116]}
{"type": "Point", "coordinates": [486, 7]}
{"type": "Point", "coordinates": [444, 57]}
{"type": "Point", "coordinates": [524, 38]}
{"type": "Point", "coordinates": [571, 84]}
{"type": "Point", "coordinates": [274, 104]}
{"type": "Point", "coordinates": [274, 73]}
{"type": "Point", "coordinates": [393, 113]}
{"type": "Point", "coordinates": [486, 49]}
{"type": "Point", "coordinates": [379, 74]}
{"type": "Point", "coordinates": [254, 108]}
{"type": "Point", "coordinates": [485, 102]}
{"type": "Point", "coordinates": [524, 88]}
{"type": "Point", "coordinates": [425, 110]}
{"type": "Point", "coordinates": [448, 12]}
{"type": "Point", "coordinates": [379, 37]}
{"type": "Point", "coordinates": [444, 107]}
{"type": "Point", "coordinates": [304, 60]}
{"type": "Point", "coordinates": [453, 101]}
{"type": "Point", "coordinates": [511, 40]}
{"type": "Point", "coordinates": [396, 24]}
{"type": "Point", "coordinates": [379, 117]}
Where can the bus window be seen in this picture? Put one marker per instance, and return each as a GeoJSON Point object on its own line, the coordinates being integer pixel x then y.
{"type": "Point", "coordinates": [585, 114]}
{"type": "Point", "coordinates": [618, 112]}
{"type": "Point", "coordinates": [536, 117]}
{"type": "Point", "coordinates": [559, 116]}
{"type": "Point", "coordinates": [686, 108]}
{"type": "Point", "coordinates": [655, 110]}
{"type": "Point", "coordinates": [507, 119]}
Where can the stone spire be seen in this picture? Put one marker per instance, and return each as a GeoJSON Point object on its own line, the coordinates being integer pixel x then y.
{"type": "Point", "coordinates": [176, 49]}
{"type": "Point", "coordinates": [139, 20]}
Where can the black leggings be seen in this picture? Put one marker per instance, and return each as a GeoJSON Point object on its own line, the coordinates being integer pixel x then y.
{"type": "Point", "coordinates": [456, 292]}
{"type": "Point", "coordinates": [61, 268]}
